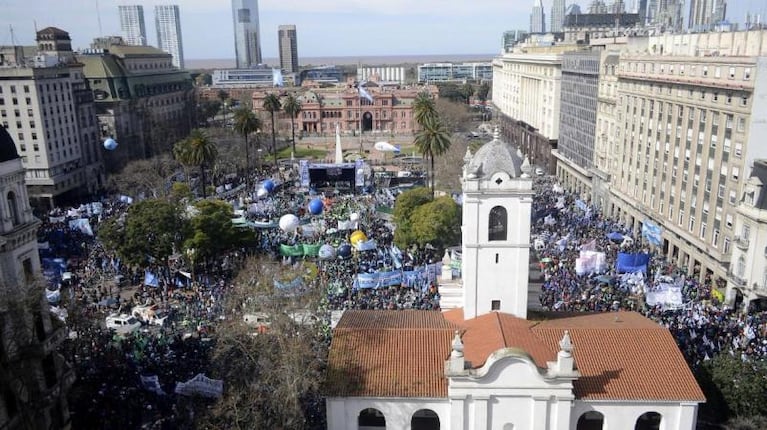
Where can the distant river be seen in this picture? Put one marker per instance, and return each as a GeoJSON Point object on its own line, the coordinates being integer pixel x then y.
{"type": "Point", "coordinates": [374, 60]}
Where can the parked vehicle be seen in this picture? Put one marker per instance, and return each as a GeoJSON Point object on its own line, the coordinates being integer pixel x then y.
{"type": "Point", "coordinates": [122, 324]}
{"type": "Point", "coordinates": [151, 315]}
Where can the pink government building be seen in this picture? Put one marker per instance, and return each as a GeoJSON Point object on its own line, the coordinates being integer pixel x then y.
{"type": "Point", "coordinates": [390, 113]}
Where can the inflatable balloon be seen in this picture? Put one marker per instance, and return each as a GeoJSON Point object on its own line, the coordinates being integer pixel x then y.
{"type": "Point", "coordinates": [110, 144]}
{"type": "Point", "coordinates": [261, 193]}
{"type": "Point", "coordinates": [357, 237]}
{"type": "Point", "coordinates": [315, 206]}
{"type": "Point", "coordinates": [344, 251]}
{"type": "Point", "coordinates": [354, 217]}
{"type": "Point", "coordinates": [289, 223]}
{"type": "Point", "coordinates": [326, 252]}
{"type": "Point", "coordinates": [268, 185]}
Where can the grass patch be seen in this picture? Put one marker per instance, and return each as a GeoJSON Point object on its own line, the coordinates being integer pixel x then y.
{"type": "Point", "coordinates": [302, 153]}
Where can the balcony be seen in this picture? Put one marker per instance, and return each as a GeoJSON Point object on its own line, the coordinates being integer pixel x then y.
{"type": "Point", "coordinates": [742, 243]}
{"type": "Point", "coordinates": [737, 280]}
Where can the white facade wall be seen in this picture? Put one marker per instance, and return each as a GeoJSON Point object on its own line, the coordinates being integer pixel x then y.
{"type": "Point", "coordinates": [343, 412]}
{"type": "Point", "coordinates": [385, 73]}
{"type": "Point", "coordinates": [622, 415]}
{"type": "Point", "coordinates": [526, 87]}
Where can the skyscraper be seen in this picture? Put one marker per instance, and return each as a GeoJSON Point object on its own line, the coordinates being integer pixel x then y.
{"type": "Point", "coordinates": [288, 41]}
{"type": "Point", "coordinates": [168, 26]}
{"type": "Point", "coordinates": [247, 35]}
{"type": "Point", "coordinates": [538, 18]}
{"type": "Point", "coordinates": [132, 24]}
{"type": "Point", "coordinates": [558, 8]}
{"type": "Point", "coordinates": [705, 13]}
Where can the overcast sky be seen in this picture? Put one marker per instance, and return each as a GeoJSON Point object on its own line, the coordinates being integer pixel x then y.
{"type": "Point", "coordinates": [325, 27]}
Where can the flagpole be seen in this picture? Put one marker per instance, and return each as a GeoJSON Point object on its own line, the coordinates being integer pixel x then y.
{"type": "Point", "coordinates": [359, 105]}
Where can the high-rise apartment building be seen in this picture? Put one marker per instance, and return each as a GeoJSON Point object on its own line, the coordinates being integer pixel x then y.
{"type": "Point", "coordinates": [132, 24]}
{"type": "Point", "coordinates": [247, 33]}
{"type": "Point", "coordinates": [558, 8]}
{"type": "Point", "coordinates": [538, 18]}
{"type": "Point", "coordinates": [288, 41]}
{"type": "Point", "coordinates": [168, 25]}
{"type": "Point", "coordinates": [48, 108]}
{"type": "Point", "coordinates": [578, 112]}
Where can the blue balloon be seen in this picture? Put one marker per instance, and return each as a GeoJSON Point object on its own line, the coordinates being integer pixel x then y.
{"type": "Point", "coordinates": [268, 185]}
{"type": "Point", "coordinates": [110, 144]}
{"type": "Point", "coordinates": [315, 206]}
{"type": "Point", "coordinates": [344, 251]}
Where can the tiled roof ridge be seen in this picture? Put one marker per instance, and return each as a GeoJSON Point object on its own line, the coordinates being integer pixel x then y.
{"type": "Point", "coordinates": [348, 329]}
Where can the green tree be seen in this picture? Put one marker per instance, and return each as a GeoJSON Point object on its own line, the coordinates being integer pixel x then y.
{"type": "Point", "coordinates": [404, 207]}
{"type": "Point", "coordinates": [196, 150]}
{"type": "Point", "coordinates": [483, 91]}
{"type": "Point", "coordinates": [733, 387]}
{"type": "Point", "coordinates": [749, 423]}
{"type": "Point", "coordinates": [292, 107]}
{"type": "Point", "coordinates": [273, 106]}
{"type": "Point", "coordinates": [212, 231]}
{"type": "Point", "coordinates": [466, 90]}
{"type": "Point", "coordinates": [207, 109]}
{"type": "Point", "coordinates": [424, 107]}
{"type": "Point", "coordinates": [150, 232]}
{"type": "Point", "coordinates": [437, 222]}
{"type": "Point", "coordinates": [245, 123]}
{"type": "Point", "coordinates": [433, 140]}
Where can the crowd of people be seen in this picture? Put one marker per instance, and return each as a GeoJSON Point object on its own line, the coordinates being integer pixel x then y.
{"type": "Point", "coordinates": [703, 325]}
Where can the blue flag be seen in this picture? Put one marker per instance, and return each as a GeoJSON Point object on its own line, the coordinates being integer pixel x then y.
{"type": "Point", "coordinates": [151, 280]}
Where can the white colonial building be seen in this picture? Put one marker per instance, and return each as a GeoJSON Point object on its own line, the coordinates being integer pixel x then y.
{"type": "Point", "coordinates": [490, 365]}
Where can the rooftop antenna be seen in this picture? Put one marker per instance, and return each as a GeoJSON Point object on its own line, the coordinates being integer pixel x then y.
{"type": "Point", "coordinates": [98, 17]}
{"type": "Point", "coordinates": [13, 36]}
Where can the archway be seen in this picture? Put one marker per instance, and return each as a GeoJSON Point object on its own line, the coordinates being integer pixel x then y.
{"type": "Point", "coordinates": [497, 224]}
{"type": "Point", "coordinates": [738, 303]}
{"type": "Point", "coordinates": [648, 421]}
{"type": "Point", "coordinates": [370, 419]}
{"type": "Point", "coordinates": [367, 121]}
{"type": "Point", "coordinates": [424, 419]}
{"type": "Point", "coordinates": [591, 420]}
{"type": "Point", "coordinates": [757, 305]}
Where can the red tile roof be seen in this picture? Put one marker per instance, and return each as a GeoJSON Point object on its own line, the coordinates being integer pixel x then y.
{"type": "Point", "coordinates": [621, 356]}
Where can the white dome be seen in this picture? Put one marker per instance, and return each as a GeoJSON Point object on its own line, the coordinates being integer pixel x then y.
{"type": "Point", "coordinates": [493, 157]}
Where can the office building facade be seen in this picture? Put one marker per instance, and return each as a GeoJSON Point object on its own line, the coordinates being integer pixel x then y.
{"type": "Point", "coordinates": [577, 113]}
{"type": "Point", "coordinates": [444, 72]}
{"type": "Point", "coordinates": [168, 25]}
{"type": "Point", "coordinates": [48, 108]}
{"type": "Point", "coordinates": [247, 33]}
{"type": "Point", "coordinates": [132, 24]}
{"type": "Point", "coordinates": [538, 18]}
{"type": "Point", "coordinates": [381, 74]}
{"type": "Point", "coordinates": [705, 14]}
{"type": "Point", "coordinates": [688, 127]}
{"type": "Point", "coordinates": [288, 44]}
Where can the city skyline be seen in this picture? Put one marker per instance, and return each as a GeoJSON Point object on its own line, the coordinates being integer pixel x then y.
{"type": "Point", "coordinates": [333, 28]}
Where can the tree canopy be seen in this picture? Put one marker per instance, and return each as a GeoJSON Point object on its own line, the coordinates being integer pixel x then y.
{"type": "Point", "coordinates": [212, 231]}
{"type": "Point", "coordinates": [732, 388]}
{"type": "Point", "coordinates": [149, 232]}
{"type": "Point", "coordinates": [421, 220]}
{"type": "Point", "coordinates": [433, 140]}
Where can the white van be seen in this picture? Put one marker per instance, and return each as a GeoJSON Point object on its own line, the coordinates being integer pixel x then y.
{"type": "Point", "coordinates": [122, 324]}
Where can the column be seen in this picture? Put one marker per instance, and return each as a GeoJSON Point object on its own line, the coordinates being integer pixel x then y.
{"type": "Point", "coordinates": [480, 412]}
{"type": "Point", "coordinates": [539, 418]}
{"type": "Point", "coordinates": [457, 414]}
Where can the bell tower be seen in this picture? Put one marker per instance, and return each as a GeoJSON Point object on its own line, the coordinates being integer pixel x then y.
{"type": "Point", "coordinates": [497, 203]}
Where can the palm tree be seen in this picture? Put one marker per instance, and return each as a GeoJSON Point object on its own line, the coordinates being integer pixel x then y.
{"type": "Point", "coordinates": [433, 140]}
{"type": "Point", "coordinates": [292, 107]}
{"type": "Point", "coordinates": [273, 106]}
{"type": "Point", "coordinates": [246, 122]}
{"type": "Point", "coordinates": [196, 150]}
{"type": "Point", "coordinates": [223, 96]}
{"type": "Point", "coordinates": [424, 107]}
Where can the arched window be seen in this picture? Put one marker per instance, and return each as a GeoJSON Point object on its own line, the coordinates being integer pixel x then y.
{"type": "Point", "coordinates": [648, 421]}
{"type": "Point", "coordinates": [371, 418]}
{"type": "Point", "coordinates": [741, 267]}
{"type": "Point", "coordinates": [591, 420]}
{"type": "Point", "coordinates": [497, 224]}
{"type": "Point", "coordinates": [424, 419]}
{"type": "Point", "coordinates": [14, 210]}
